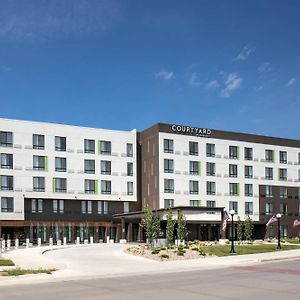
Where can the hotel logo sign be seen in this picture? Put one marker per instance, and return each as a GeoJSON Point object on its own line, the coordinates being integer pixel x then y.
{"type": "Point", "coordinates": [188, 130]}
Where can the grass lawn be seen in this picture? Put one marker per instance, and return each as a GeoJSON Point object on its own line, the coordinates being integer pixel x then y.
{"type": "Point", "coordinates": [245, 249]}
{"type": "Point", "coordinates": [17, 272]}
{"type": "Point", "coordinates": [6, 262]}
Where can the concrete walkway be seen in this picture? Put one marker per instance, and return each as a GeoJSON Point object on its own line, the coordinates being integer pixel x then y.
{"type": "Point", "coordinates": [110, 260]}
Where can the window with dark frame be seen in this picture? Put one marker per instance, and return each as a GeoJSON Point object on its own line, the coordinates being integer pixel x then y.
{"type": "Point", "coordinates": [248, 153]}
{"type": "Point", "coordinates": [169, 185]}
{"type": "Point", "coordinates": [89, 166]}
{"type": "Point", "coordinates": [7, 161]}
{"type": "Point", "coordinates": [194, 187]}
{"type": "Point", "coordinates": [7, 204]}
{"type": "Point", "coordinates": [38, 141]}
{"type": "Point", "coordinates": [105, 187]}
{"type": "Point", "coordinates": [89, 146]}
{"type": "Point", "coordinates": [7, 183]}
{"type": "Point", "coordinates": [105, 147]}
{"type": "Point", "coordinates": [168, 165]}
{"type": "Point", "coordinates": [210, 150]}
{"type": "Point", "coordinates": [193, 148]}
{"type": "Point", "coordinates": [105, 167]}
{"type": "Point", "coordinates": [168, 146]}
{"type": "Point", "coordinates": [6, 139]}
{"type": "Point", "coordinates": [60, 143]}
{"type": "Point", "coordinates": [39, 184]}
{"type": "Point", "coordinates": [60, 164]}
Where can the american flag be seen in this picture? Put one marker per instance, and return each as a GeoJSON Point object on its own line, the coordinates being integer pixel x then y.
{"type": "Point", "coordinates": [225, 219]}
{"type": "Point", "coordinates": [296, 223]}
{"type": "Point", "coordinates": [272, 220]}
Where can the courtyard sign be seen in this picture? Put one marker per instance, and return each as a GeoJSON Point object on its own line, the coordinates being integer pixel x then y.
{"type": "Point", "coordinates": [191, 130]}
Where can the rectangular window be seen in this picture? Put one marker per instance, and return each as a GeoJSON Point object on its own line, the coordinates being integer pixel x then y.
{"type": "Point", "coordinates": [283, 192]}
{"type": "Point", "coordinates": [283, 157]}
{"type": "Point", "coordinates": [284, 231]}
{"type": "Point", "coordinates": [233, 205]}
{"type": "Point", "coordinates": [210, 188]}
{"type": "Point", "coordinates": [39, 163]}
{"type": "Point", "coordinates": [168, 203]}
{"type": "Point", "coordinates": [283, 209]}
{"type": "Point", "coordinates": [60, 164]}
{"type": "Point", "coordinates": [36, 205]}
{"type": "Point", "coordinates": [269, 155]}
{"type": "Point", "coordinates": [193, 148]}
{"type": "Point", "coordinates": [233, 171]}
{"type": "Point", "coordinates": [248, 153]}
{"type": "Point", "coordinates": [7, 183]}
{"type": "Point", "coordinates": [7, 204]}
{"type": "Point", "coordinates": [194, 187]}
{"type": "Point", "coordinates": [268, 173]}
{"type": "Point", "coordinates": [39, 184]}
{"type": "Point", "coordinates": [269, 191]}
{"type": "Point", "coordinates": [60, 143]}
{"type": "Point", "coordinates": [105, 187]}
{"type": "Point", "coordinates": [58, 206]}
{"type": "Point", "coordinates": [126, 207]}
{"type": "Point", "coordinates": [298, 158]}
{"type": "Point", "coordinates": [233, 152]}
{"type": "Point", "coordinates": [248, 208]}
{"type": "Point", "coordinates": [89, 166]}
{"type": "Point", "coordinates": [248, 172]}
{"type": "Point", "coordinates": [129, 150]}
{"type": "Point", "coordinates": [269, 209]}
{"type": "Point", "coordinates": [129, 169]}
{"type": "Point", "coordinates": [169, 185]}
{"type": "Point", "coordinates": [129, 188]}
{"type": "Point", "coordinates": [6, 161]}
{"type": "Point", "coordinates": [60, 185]}
{"type": "Point", "coordinates": [38, 141]}
{"type": "Point", "coordinates": [89, 146]}
{"type": "Point", "coordinates": [168, 146]}
{"type": "Point", "coordinates": [194, 168]}
{"type": "Point", "coordinates": [168, 165]}
{"type": "Point", "coordinates": [283, 174]}
{"type": "Point", "coordinates": [248, 190]}
{"type": "Point", "coordinates": [210, 203]}
{"type": "Point", "coordinates": [90, 186]}
{"type": "Point", "coordinates": [105, 167]}
{"type": "Point", "coordinates": [210, 169]}
{"type": "Point", "coordinates": [86, 207]}
{"type": "Point", "coordinates": [210, 150]}
{"type": "Point", "coordinates": [233, 189]}
{"type": "Point", "coordinates": [105, 147]}
{"type": "Point", "coordinates": [102, 207]}
{"type": "Point", "coordinates": [6, 139]}
{"type": "Point", "coordinates": [195, 203]}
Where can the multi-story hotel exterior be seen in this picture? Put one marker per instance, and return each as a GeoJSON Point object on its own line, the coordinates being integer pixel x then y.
{"type": "Point", "coordinates": [60, 180]}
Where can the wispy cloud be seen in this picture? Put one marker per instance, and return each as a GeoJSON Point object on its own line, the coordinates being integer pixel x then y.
{"type": "Point", "coordinates": [164, 74]}
{"type": "Point", "coordinates": [264, 67]}
{"type": "Point", "coordinates": [291, 81]}
{"type": "Point", "coordinates": [213, 84]}
{"type": "Point", "coordinates": [41, 19]}
{"type": "Point", "coordinates": [231, 82]}
{"type": "Point", "coordinates": [245, 53]}
{"type": "Point", "coordinates": [194, 79]}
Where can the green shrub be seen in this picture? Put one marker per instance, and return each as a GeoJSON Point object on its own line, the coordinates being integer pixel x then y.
{"type": "Point", "coordinates": [180, 253]}
{"type": "Point", "coordinates": [162, 248]}
{"type": "Point", "coordinates": [201, 252]}
{"type": "Point", "coordinates": [6, 262]}
{"type": "Point", "coordinates": [164, 255]}
{"type": "Point", "coordinates": [195, 249]}
{"type": "Point", "coordinates": [155, 251]}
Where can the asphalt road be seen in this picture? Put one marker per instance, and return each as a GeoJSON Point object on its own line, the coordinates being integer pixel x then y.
{"type": "Point", "coordinates": [279, 280]}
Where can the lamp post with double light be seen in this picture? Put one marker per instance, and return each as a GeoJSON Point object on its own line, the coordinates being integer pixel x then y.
{"type": "Point", "coordinates": [232, 213]}
{"type": "Point", "coordinates": [278, 216]}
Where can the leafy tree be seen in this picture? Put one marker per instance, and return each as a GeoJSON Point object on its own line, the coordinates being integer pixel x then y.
{"type": "Point", "coordinates": [181, 226]}
{"type": "Point", "coordinates": [151, 224]}
{"type": "Point", "coordinates": [170, 227]}
{"type": "Point", "coordinates": [248, 229]}
{"type": "Point", "coordinates": [240, 229]}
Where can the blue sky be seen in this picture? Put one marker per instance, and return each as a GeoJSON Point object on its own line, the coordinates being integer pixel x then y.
{"type": "Point", "coordinates": [229, 65]}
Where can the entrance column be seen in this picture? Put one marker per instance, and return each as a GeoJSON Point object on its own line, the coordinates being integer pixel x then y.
{"type": "Point", "coordinates": [140, 234]}
{"type": "Point", "coordinates": [123, 228]}
{"type": "Point", "coordinates": [208, 232]}
{"type": "Point", "coordinates": [129, 232]}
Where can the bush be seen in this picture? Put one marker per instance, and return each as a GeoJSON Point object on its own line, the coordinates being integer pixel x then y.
{"type": "Point", "coordinates": [195, 249]}
{"type": "Point", "coordinates": [155, 251]}
{"type": "Point", "coordinates": [180, 253]}
{"type": "Point", "coordinates": [162, 248]}
{"type": "Point", "coordinates": [164, 255]}
{"type": "Point", "coordinates": [201, 252]}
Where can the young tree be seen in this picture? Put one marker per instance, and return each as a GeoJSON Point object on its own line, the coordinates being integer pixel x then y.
{"type": "Point", "coordinates": [240, 229]}
{"type": "Point", "coordinates": [170, 227]}
{"type": "Point", "coordinates": [248, 229]}
{"type": "Point", "coordinates": [181, 226]}
{"type": "Point", "coordinates": [151, 224]}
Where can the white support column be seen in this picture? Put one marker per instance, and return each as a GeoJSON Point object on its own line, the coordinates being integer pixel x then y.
{"type": "Point", "coordinates": [3, 246]}
{"type": "Point", "coordinates": [16, 243]}
{"type": "Point", "coordinates": [39, 242]}
{"type": "Point", "coordinates": [8, 244]}
{"type": "Point", "coordinates": [77, 240]}
{"type": "Point", "coordinates": [51, 241]}
{"type": "Point", "coordinates": [91, 240]}
{"type": "Point", "coordinates": [27, 243]}
{"type": "Point", "coordinates": [65, 241]}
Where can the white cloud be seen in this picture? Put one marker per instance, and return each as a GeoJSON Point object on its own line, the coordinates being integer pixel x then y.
{"type": "Point", "coordinates": [214, 84]}
{"type": "Point", "coordinates": [164, 74]}
{"type": "Point", "coordinates": [291, 81]}
{"type": "Point", "coordinates": [245, 53]}
{"type": "Point", "coordinates": [194, 79]}
{"type": "Point", "coordinates": [264, 67]}
{"type": "Point", "coordinates": [232, 82]}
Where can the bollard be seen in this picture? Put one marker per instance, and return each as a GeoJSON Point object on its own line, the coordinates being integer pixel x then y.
{"type": "Point", "coordinates": [8, 243]}
{"type": "Point", "coordinates": [91, 240]}
{"type": "Point", "coordinates": [77, 240]}
{"type": "Point", "coordinates": [85, 242]}
{"type": "Point", "coordinates": [16, 243]}
{"type": "Point", "coordinates": [65, 241]}
{"type": "Point", "coordinates": [39, 242]}
{"type": "Point", "coordinates": [107, 239]}
{"type": "Point", "coordinates": [51, 241]}
{"type": "Point", "coordinates": [27, 243]}
{"type": "Point", "coordinates": [3, 246]}
{"type": "Point", "coordinates": [58, 242]}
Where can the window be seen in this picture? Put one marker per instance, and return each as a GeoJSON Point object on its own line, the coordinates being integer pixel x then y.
{"type": "Point", "coordinates": [233, 171]}
{"type": "Point", "coordinates": [298, 175]}
{"type": "Point", "coordinates": [210, 188]}
{"type": "Point", "coordinates": [248, 208]}
{"type": "Point", "coordinates": [39, 163]}
{"type": "Point", "coordinates": [248, 172]}
{"type": "Point", "coordinates": [129, 188]}
{"type": "Point", "coordinates": [126, 207]}
{"type": "Point", "coordinates": [298, 158]}
{"type": "Point", "coordinates": [269, 155]}
{"type": "Point", "coordinates": [233, 189]}
{"type": "Point", "coordinates": [105, 167]}
{"type": "Point", "coordinates": [168, 146]}
{"type": "Point", "coordinates": [283, 192]}
{"type": "Point", "coordinates": [283, 174]}
{"type": "Point", "coordinates": [86, 207]}
{"type": "Point", "coordinates": [210, 203]}
{"type": "Point", "coordinates": [233, 205]}
{"type": "Point", "coordinates": [90, 186]}
{"type": "Point", "coordinates": [169, 203]}
{"type": "Point", "coordinates": [60, 185]}
{"type": "Point", "coordinates": [102, 207]}
{"type": "Point", "coordinates": [193, 148]}
{"type": "Point", "coordinates": [36, 205]}
{"type": "Point", "coordinates": [105, 187]}
{"type": "Point", "coordinates": [283, 157]}
{"type": "Point", "coordinates": [60, 143]}
{"type": "Point", "coordinates": [39, 184]}
{"type": "Point", "coordinates": [233, 152]}
{"type": "Point", "coordinates": [169, 185]}
{"type": "Point", "coordinates": [210, 150]}
{"type": "Point", "coordinates": [7, 183]}
{"type": "Point", "coordinates": [129, 169]}
{"type": "Point", "coordinates": [194, 167]}
{"type": "Point", "coordinates": [60, 164]}
{"type": "Point", "coordinates": [283, 209]}
{"type": "Point", "coordinates": [210, 169]}
{"type": "Point", "coordinates": [248, 153]}
{"type": "Point", "coordinates": [6, 139]}
{"type": "Point", "coordinates": [269, 191]}
{"type": "Point", "coordinates": [195, 203]}
{"type": "Point", "coordinates": [269, 209]}
{"type": "Point", "coordinates": [105, 147]}
{"type": "Point", "coordinates": [283, 231]}
{"type": "Point", "coordinates": [129, 150]}
{"type": "Point", "coordinates": [6, 161]}
{"type": "Point", "coordinates": [194, 187]}
{"type": "Point", "coordinates": [89, 146]}
{"type": "Point", "coordinates": [7, 204]}
{"type": "Point", "coordinates": [38, 141]}
{"type": "Point", "coordinates": [268, 173]}
{"type": "Point", "coordinates": [89, 166]}
{"type": "Point", "coordinates": [168, 165]}
{"type": "Point", "coordinates": [248, 190]}
{"type": "Point", "coordinates": [58, 206]}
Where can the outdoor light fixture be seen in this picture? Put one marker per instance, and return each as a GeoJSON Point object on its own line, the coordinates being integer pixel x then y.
{"type": "Point", "coordinates": [278, 216]}
{"type": "Point", "coordinates": [232, 213]}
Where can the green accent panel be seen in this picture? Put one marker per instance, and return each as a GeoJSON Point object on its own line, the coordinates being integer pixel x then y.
{"type": "Point", "coordinates": [273, 156]}
{"type": "Point", "coordinates": [96, 187]}
{"type": "Point", "coordinates": [199, 167]}
{"type": "Point", "coordinates": [238, 189]}
{"type": "Point", "coordinates": [53, 185]}
{"type": "Point", "coordinates": [46, 163]}
{"type": "Point", "coordinates": [99, 147]}
{"type": "Point", "coordinates": [238, 152]}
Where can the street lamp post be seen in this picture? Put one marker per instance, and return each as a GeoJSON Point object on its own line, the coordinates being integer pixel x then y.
{"type": "Point", "coordinates": [278, 216]}
{"type": "Point", "coordinates": [232, 212]}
